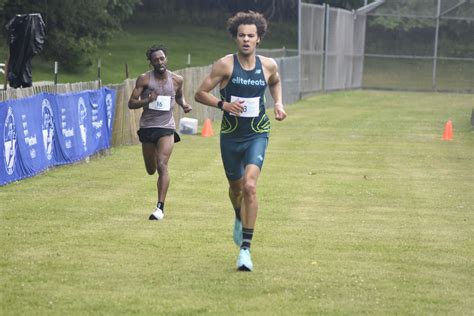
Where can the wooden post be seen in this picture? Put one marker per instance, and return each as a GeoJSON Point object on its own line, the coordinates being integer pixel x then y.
{"type": "Point", "coordinates": [98, 71]}
{"type": "Point", "coordinates": [55, 73]}
{"type": "Point", "coordinates": [126, 71]}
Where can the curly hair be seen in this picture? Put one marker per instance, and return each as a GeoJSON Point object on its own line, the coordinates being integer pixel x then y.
{"type": "Point", "coordinates": [153, 49]}
{"type": "Point", "coordinates": [247, 18]}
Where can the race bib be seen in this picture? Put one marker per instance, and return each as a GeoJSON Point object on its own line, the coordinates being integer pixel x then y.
{"type": "Point", "coordinates": [251, 106]}
{"type": "Point", "coordinates": [162, 103]}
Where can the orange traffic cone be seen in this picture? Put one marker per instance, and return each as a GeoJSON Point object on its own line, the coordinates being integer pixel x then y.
{"type": "Point", "coordinates": [207, 129]}
{"type": "Point", "coordinates": [448, 131]}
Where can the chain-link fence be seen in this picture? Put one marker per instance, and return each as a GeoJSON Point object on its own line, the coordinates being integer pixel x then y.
{"type": "Point", "coordinates": [420, 45]}
{"type": "Point", "coordinates": [345, 49]}
{"type": "Point", "coordinates": [331, 48]}
{"type": "Point", "coordinates": [391, 44]}
{"type": "Point", "coordinates": [311, 47]}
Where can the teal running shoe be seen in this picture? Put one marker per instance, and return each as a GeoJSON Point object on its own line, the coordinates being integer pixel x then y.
{"type": "Point", "coordinates": [238, 232]}
{"type": "Point", "coordinates": [244, 262]}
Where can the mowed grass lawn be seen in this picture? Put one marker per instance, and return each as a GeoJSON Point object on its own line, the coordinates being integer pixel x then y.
{"type": "Point", "coordinates": [364, 209]}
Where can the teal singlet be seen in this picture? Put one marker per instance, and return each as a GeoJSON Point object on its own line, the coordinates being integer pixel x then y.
{"type": "Point", "coordinates": [247, 85]}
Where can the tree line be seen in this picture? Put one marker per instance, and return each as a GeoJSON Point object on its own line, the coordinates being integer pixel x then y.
{"type": "Point", "coordinates": [74, 28]}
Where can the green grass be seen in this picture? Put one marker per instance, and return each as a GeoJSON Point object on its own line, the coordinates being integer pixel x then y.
{"type": "Point", "coordinates": [410, 74]}
{"type": "Point", "coordinates": [205, 45]}
{"type": "Point", "coordinates": [363, 210]}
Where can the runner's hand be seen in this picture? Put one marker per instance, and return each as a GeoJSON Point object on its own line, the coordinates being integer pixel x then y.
{"type": "Point", "coordinates": [152, 96]}
{"type": "Point", "coordinates": [235, 107]}
{"type": "Point", "coordinates": [187, 108]}
{"type": "Point", "coordinates": [280, 113]}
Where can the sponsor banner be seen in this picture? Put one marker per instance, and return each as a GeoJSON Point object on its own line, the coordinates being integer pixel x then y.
{"type": "Point", "coordinates": [53, 129]}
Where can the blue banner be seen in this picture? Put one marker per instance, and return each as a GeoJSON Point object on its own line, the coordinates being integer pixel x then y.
{"type": "Point", "coordinates": [53, 129]}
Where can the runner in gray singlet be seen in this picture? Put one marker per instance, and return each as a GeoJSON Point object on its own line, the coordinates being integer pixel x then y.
{"type": "Point", "coordinates": [156, 92]}
{"type": "Point", "coordinates": [152, 118]}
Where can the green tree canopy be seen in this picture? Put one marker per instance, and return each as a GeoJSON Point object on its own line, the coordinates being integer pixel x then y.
{"type": "Point", "coordinates": [74, 28]}
{"type": "Point", "coordinates": [274, 10]}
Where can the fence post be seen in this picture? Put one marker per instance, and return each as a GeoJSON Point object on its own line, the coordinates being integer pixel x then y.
{"type": "Point", "coordinates": [5, 76]}
{"type": "Point", "coordinates": [55, 73]}
{"type": "Point", "coordinates": [98, 71]}
{"type": "Point", "coordinates": [435, 54]}
{"type": "Point", "coordinates": [472, 118]}
{"type": "Point", "coordinates": [325, 48]}
{"type": "Point", "coordinates": [126, 71]}
{"type": "Point", "coordinates": [300, 92]}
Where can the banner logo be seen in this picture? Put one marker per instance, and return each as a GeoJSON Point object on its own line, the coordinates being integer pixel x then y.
{"type": "Point", "coordinates": [9, 136]}
{"type": "Point", "coordinates": [81, 107]}
{"type": "Point", "coordinates": [48, 128]}
{"type": "Point", "coordinates": [108, 103]}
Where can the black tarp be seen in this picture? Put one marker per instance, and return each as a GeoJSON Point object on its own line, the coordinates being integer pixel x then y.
{"type": "Point", "coordinates": [26, 38]}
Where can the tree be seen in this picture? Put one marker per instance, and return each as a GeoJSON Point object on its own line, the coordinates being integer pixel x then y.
{"type": "Point", "coordinates": [74, 28]}
{"type": "Point", "coordinates": [208, 10]}
{"type": "Point", "coordinates": [408, 27]}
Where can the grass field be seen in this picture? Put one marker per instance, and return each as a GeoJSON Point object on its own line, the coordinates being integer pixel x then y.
{"type": "Point", "coordinates": [410, 74]}
{"type": "Point", "coordinates": [130, 47]}
{"type": "Point", "coordinates": [363, 210]}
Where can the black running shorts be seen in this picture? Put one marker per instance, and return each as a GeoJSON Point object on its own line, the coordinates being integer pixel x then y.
{"type": "Point", "coordinates": [153, 134]}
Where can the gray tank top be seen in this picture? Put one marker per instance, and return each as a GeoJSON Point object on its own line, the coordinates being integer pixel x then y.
{"type": "Point", "coordinates": [156, 118]}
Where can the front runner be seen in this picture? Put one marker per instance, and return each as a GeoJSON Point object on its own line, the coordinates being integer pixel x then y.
{"type": "Point", "coordinates": [243, 78]}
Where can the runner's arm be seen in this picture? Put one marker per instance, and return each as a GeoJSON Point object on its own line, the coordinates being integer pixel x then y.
{"type": "Point", "coordinates": [135, 102]}
{"type": "Point", "coordinates": [274, 85]}
{"type": "Point", "coordinates": [179, 97]}
{"type": "Point", "coordinates": [219, 72]}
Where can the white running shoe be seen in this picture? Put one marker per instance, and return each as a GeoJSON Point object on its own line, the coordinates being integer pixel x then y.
{"type": "Point", "coordinates": [157, 215]}
{"type": "Point", "coordinates": [244, 262]}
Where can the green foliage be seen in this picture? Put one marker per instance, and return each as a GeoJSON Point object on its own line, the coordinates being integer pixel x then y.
{"type": "Point", "coordinates": [422, 14]}
{"type": "Point", "coordinates": [409, 28]}
{"type": "Point", "coordinates": [73, 54]}
{"type": "Point", "coordinates": [121, 10]}
{"type": "Point", "coordinates": [215, 12]}
{"type": "Point", "coordinates": [74, 28]}
{"type": "Point", "coordinates": [401, 23]}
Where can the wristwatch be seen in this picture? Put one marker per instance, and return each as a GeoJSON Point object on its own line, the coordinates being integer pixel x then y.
{"type": "Point", "coordinates": [220, 104]}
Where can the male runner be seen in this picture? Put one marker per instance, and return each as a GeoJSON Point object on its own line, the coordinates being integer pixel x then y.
{"type": "Point", "coordinates": [243, 78]}
{"type": "Point", "coordinates": [156, 91]}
